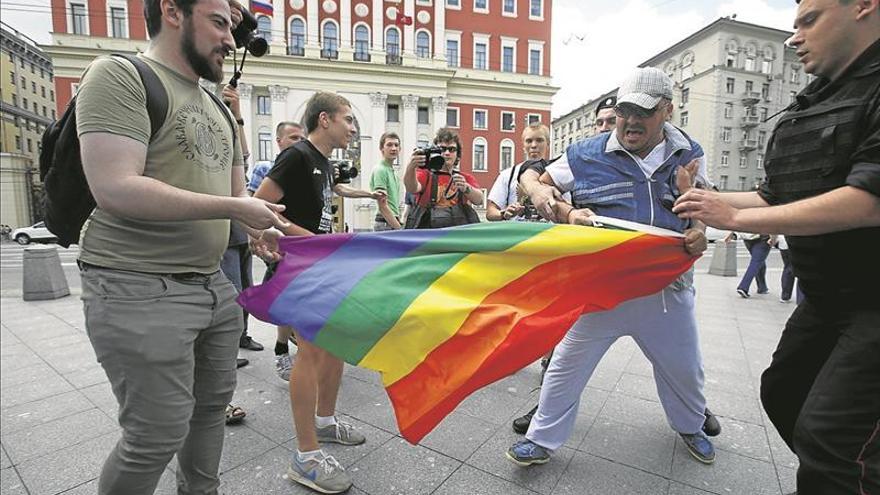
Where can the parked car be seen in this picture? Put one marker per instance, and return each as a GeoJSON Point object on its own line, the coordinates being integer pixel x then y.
{"type": "Point", "coordinates": [36, 232]}
{"type": "Point", "coordinates": [713, 234]}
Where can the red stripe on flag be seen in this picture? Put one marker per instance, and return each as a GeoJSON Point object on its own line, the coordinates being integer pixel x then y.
{"type": "Point", "coordinates": [489, 347]}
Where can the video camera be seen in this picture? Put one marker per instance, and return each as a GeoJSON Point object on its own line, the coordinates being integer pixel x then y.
{"type": "Point", "coordinates": [346, 171]}
{"type": "Point", "coordinates": [245, 37]}
{"type": "Point", "coordinates": [434, 160]}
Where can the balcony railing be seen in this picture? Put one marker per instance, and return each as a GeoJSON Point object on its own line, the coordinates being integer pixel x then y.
{"type": "Point", "coordinates": [748, 145]}
{"type": "Point", "coordinates": [750, 120]}
{"type": "Point", "coordinates": [329, 53]}
{"type": "Point", "coordinates": [393, 59]}
{"type": "Point", "coordinates": [361, 56]}
{"type": "Point", "coordinates": [751, 97]}
{"type": "Point", "coordinates": [298, 51]}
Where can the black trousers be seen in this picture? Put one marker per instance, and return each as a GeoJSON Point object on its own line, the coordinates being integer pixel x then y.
{"type": "Point", "coordinates": [822, 392]}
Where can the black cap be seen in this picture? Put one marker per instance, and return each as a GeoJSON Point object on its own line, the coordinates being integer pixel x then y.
{"type": "Point", "coordinates": [607, 103]}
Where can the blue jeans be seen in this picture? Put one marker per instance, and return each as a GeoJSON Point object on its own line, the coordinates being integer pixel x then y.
{"type": "Point", "coordinates": [757, 270]}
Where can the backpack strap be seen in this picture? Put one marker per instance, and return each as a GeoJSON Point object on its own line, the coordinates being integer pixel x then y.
{"type": "Point", "coordinates": [157, 97]}
{"type": "Point", "coordinates": [224, 110]}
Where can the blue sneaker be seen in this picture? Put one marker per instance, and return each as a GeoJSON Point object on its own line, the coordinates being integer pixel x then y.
{"type": "Point", "coordinates": [526, 453]}
{"type": "Point", "coordinates": [699, 446]}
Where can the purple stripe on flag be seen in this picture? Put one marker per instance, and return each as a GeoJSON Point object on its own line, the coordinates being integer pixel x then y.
{"type": "Point", "coordinates": [328, 281]}
{"type": "Point", "coordinates": [301, 253]}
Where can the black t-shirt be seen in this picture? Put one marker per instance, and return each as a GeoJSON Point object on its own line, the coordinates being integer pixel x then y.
{"type": "Point", "coordinates": [842, 266]}
{"type": "Point", "coordinates": [304, 174]}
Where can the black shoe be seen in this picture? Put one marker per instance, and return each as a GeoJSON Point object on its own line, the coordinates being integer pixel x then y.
{"type": "Point", "coordinates": [250, 344]}
{"type": "Point", "coordinates": [241, 362]}
{"type": "Point", "coordinates": [521, 424]}
{"type": "Point", "coordinates": [711, 427]}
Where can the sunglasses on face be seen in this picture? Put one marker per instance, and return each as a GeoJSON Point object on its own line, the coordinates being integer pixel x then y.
{"type": "Point", "coordinates": [626, 111]}
{"type": "Point", "coordinates": [449, 149]}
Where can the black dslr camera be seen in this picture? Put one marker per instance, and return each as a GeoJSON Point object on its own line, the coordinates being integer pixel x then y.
{"type": "Point", "coordinates": [346, 171]}
{"type": "Point", "coordinates": [434, 160]}
{"type": "Point", "coordinates": [246, 38]}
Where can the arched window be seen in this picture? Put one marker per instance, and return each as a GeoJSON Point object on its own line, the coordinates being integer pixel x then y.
{"type": "Point", "coordinates": [479, 155]}
{"type": "Point", "coordinates": [362, 43]}
{"type": "Point", "coordinates": [330, 40]}
{"type": "Point", "coordinates": [264, 27]}
{"type": "Point", "coordinates": [392, 45]}
{"type": "Point", "coordinates": [297, 42]}
{"type": "Point", "coordinates": [423, 44]}
{"type": "Point", "coordinates": [687, 66]}
{"type": "Point", "coordinates": [507, 157]}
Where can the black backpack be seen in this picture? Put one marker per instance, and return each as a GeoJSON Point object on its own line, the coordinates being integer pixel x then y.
{"type": "Point", "coordinates": [68, 202]}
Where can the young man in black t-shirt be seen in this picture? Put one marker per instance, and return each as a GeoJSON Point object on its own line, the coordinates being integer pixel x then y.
{"type": "Point", "coordinates": [302, 180]}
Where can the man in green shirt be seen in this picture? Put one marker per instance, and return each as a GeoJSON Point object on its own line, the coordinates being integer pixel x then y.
{"type": "Point", "coordinates": [385, 179]}
{"type": "Point", "coordinates": [160, 315]}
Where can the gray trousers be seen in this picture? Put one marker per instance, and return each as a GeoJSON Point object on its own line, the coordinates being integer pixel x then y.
{"type": "Point", "coordinates": [168, 346]}
{"type": "Point", "coordinates": [663, 326]}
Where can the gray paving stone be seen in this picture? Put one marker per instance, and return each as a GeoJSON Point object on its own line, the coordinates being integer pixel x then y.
{"type": "Point", "coordinates": [72, 358]}
{"type": "Point", "coordinates": [57, 435]}
{"type": "Point", "coordinates": [472, 481]}
{"type": "Point", "coordinates": [42, 411]}
{"type": "Point", "coordinates": [241, 444]}
{"type": "Point", "coordinates": [522, 383]}
{"type": "Point", "coordinates": [28, 392]}
{"type": "Point", "coordinates": [69, 467]}
{"type": "Point", "coordinates": [267, 474]}
{"type": "Point", "coordinates": [492, 405]}
{"type": "Point", "coordinates": [492, 459]}
{"type": "Point", "coordinates": [731, 383]}
{"type": "Point", "coordinates": [676, 488]}
{"type": "Point", "coordinates": [101, 395]}
{"type": "Point", "coordinates": [644, 414]}
{"type": "Point", "coordinates": [624, 444]}
{"type": "Point", "coordinates": [589, 474]}
{"type": "Point", "coordinates": [363, 374]}
{"type": "Point", "coordinates": [639, 386]}
{"type": "Point", "coordinates": [734, 406]}
{"type": "Point", "coordinates": [459, 435]}
{"type": "Point", "coordinates": [267, 406]}
{"type": "Point", "coordinates": [369, 403]}
{"type": "Point", "coordinates": [17, 356]}
{"type": "Point", "coordinates": [400, 468]}
{"type": "Point", "coordinates": [783, 457]}
{"type": "Point", "coordinates": [743, 438]}
{"type": "Point", "coordinates": [87, 376]}
{"type": "Point", "coordinates": [639, 365]}
{"type": "Point", "coordinates": [605, 378]}
{"type": "Point", "coordinates": [30, 371]}
{"type": "Point", "coordinates": [167, 486]}
{"type": "Point", "coordinates": [4, 459]}
{"type": "Point", "coordinates": [40, 327]}
{"type": "Point", "coordinates": [731, 473]}
{"type": "Point", "coordinates": [64, 341]}
{"type": "Point", "coordinates": [10, 483]}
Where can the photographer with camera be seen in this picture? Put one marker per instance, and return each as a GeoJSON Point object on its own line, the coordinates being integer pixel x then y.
{"type": "Point", "coordinates": [302, 180]}
{"type": "Point", "coordinates": [503, 203]}
{"type": "Point", "coordinates": [443, 194]}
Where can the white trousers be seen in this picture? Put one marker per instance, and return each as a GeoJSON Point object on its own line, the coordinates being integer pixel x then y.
{"type": "Point", "coordinates": [663, 326]}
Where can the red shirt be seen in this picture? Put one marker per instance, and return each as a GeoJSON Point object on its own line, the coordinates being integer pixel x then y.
{"type": "Point", "coordinates": [446, 191]}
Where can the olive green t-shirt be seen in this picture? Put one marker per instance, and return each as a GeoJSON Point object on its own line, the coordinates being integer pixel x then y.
{"type": "Point", "coordinates": [385, 179]}
{"type": "Point", "coordinates": [195, 150]}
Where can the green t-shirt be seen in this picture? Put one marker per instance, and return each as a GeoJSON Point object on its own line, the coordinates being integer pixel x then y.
{"type": "Point", "coordinates": [194, 150]}
{"type": "Point", "coordinates": [385, 179]}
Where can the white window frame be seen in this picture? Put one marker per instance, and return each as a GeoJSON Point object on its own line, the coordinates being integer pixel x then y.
{"type": "Point", "coordinates": [480, 38]}
{"type": "Point", "coordinates": [454, 36]}
{"type": "Point", "coordinates": [507, 42]}
{"type": "Point", "coordinates": [117, 4]}
{"type": "Point", "coordinates": [725, 159]}
{"type": "Point", "coordinates": [457, 117]}
{"type": "Point", "coordinates": [306, 32]}
{"type": "Point", "coordinates": [486, 120]}
{"type": "Point", "coordinates": [512, 121]}
{"type": "Point", "coordinates": [354, 38]}
{"type": "Point", "coordinates": [759, 161]}
{"type": "Point", "coordinates": [685, 118]}
{"type": "Point", "coordinates": [536, 45]}
{"type": "Point", "coordinates": [430, 43]}
{"type": "Point", "coordinates": [479, 10]}
{"type": "Point", "coordinates": [509, 14]}
{"type": "Point", "coordinates": [529, 118]}
{"type": "Point", "coordinates": [479, 140]}
{"type": "Point", "coordinates": [453, 7]}
{"type": "Point", "coordinates": [726, 134]}
{"type": "Point", "coordinates": [722, 182]}
{"type": "Point", "coordinates": [506, 143]}
{"type": "Point", "coordinates": [728, 110]}
{"type": "Point", "coordinates": [69, 13]}
{"type": "Point", "coordinates": [264, 131]}
{"type": "Point", "coordinates": [74, 88]}
{"type": "Point", "coordinates": [533, 17]}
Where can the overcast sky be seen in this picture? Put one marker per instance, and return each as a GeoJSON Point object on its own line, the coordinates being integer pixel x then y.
{"type": "Point", "coordinates": [595, 42]}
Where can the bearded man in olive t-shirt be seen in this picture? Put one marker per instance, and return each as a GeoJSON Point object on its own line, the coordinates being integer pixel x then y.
{"type": "Point", "coordinates": [161, 317]}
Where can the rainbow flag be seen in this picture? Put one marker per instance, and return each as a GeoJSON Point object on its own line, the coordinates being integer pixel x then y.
{"type": "Point", "coordinates": [441, 313]}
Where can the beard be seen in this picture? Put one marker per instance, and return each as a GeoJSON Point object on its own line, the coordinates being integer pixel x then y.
{"type": "Point", "coordinates": [200, 64]}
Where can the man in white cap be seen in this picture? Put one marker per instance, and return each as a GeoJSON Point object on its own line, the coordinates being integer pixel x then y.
{"type": "Point", "coordinates": [634, 173]}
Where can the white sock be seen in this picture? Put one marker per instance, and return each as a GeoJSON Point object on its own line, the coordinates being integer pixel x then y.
{"type": "Point", "coordinates": [324, 421]}
{"type": "Point", "coordinates": [308, 455]}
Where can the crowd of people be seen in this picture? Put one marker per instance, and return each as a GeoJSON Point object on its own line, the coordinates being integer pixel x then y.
{"type": "Point", "coordinates": [171, 241]}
